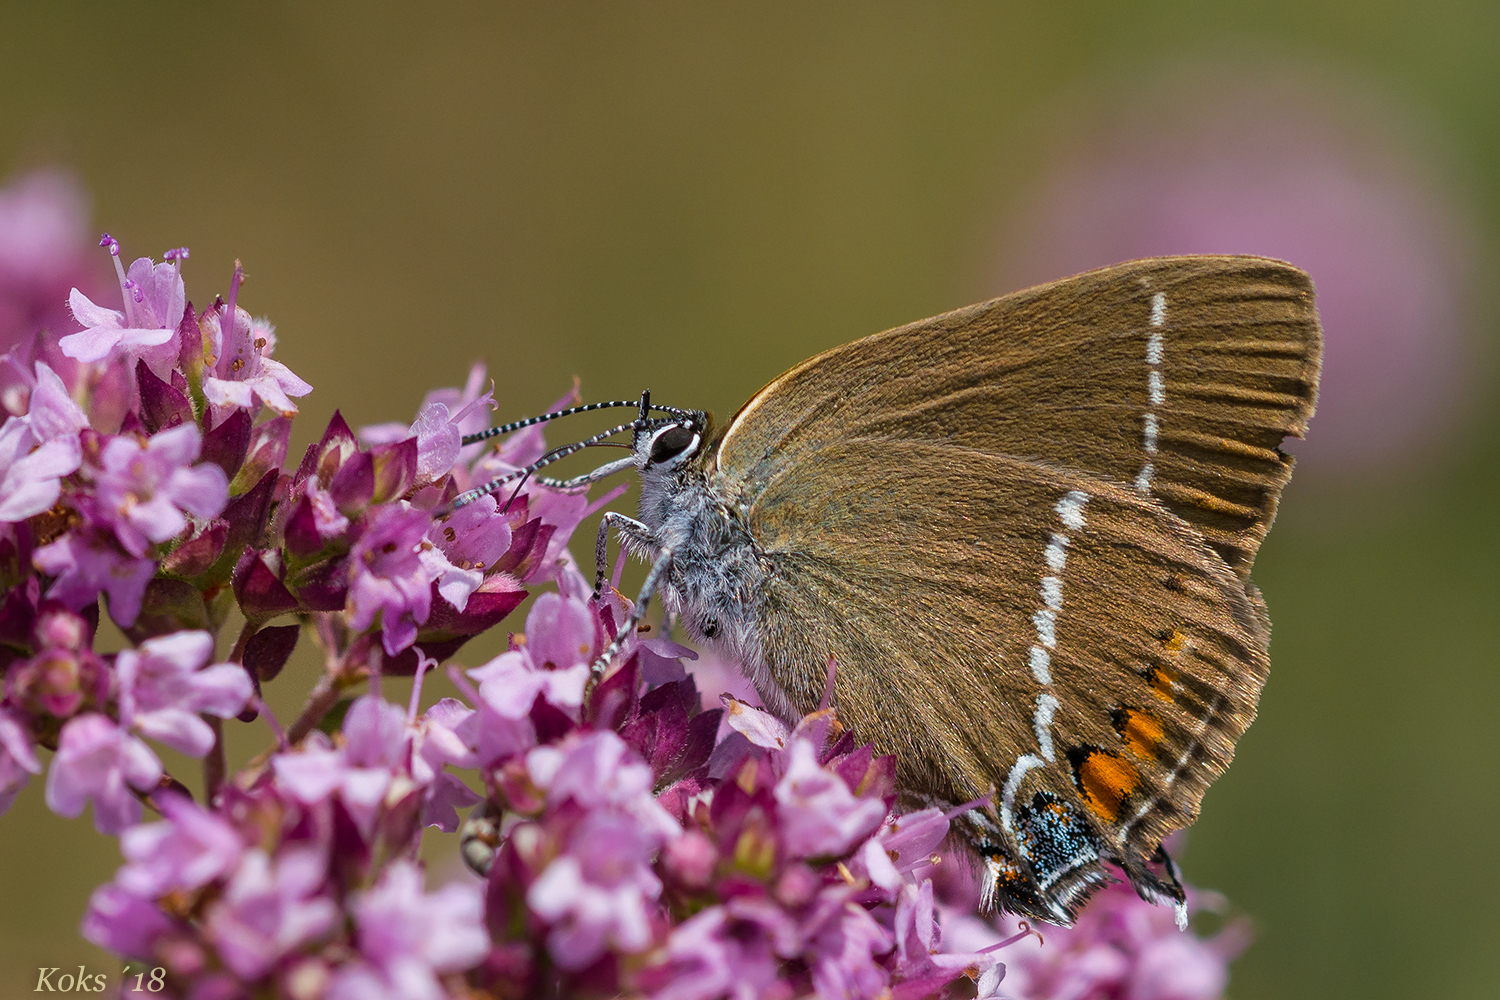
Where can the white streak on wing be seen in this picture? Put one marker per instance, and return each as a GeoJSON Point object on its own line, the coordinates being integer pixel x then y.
{"type": "Point", "coordinates": [1057, 553]}
{"type": "Point", "coordinates": [1045, 621]}
{"type": "Point", "coordinates": [1156, 388]}
{"type": "Point", "coordinates": [1052, 592]}
{"type": "Point", "coordinates": [1041, 665]}
{"type": "Point", "coordinates": [1155, 347]}
{"type": "Point", "coordinates": [1070, 509]}
{"type": "Point", "coordinates": [1012, 785]}
{"type": "Point", "coordinates": [1070, 512]}
{"type": "Point", "coordinates": [1046, 707]}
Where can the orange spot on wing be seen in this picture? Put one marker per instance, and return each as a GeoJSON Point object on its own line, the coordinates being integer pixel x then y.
{"type": "Point", "coordinates": [1142, 734]}
{"type": "Point", "coordinates": [1175, 642]}
{"type": "Point", "coordinates": [1107, 781]}
{"type": "Point", "coordinates": [1163, 683]}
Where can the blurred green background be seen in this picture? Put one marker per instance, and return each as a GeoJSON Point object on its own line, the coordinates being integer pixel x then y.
{"type": "Point", "coordinates": [694, 197]}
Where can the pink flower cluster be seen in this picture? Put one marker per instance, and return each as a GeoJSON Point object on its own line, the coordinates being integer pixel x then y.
{"type": "Point", "coordinates": [631, 842]}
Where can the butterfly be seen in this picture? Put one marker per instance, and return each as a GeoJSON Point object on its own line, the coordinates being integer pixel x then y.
{"type": "Point", "coordinates": [1022, 532]}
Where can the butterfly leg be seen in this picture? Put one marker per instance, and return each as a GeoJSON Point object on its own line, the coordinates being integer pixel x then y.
{"type": "Point", "coordinates": [654, 578]}
{"type": "Point", "coordinates": [622, 524]}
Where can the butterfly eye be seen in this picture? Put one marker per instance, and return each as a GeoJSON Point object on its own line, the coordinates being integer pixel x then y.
{"type": "Point", "coordinates": [671, 442]}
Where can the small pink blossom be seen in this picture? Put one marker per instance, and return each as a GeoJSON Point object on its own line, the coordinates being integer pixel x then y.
{"type": "Point", "coordinates": [244, 373]}
{"type": "Point", "coordinates": [123, 922]}
{"type": "Point", "coordinates": [555, 664]}
{"type": "Point", "coordinates": [600, 893]}
{"type": "Point", "coordinates": [38, 449]}
{"type": "Point", "coordinates": [819, 814]}
{"type": "Point", "coordinates": [376, 750]}
{"type": "Point", "coordinates": [461, 546]}
{"type": "Point", "coordinates": [408, 937]}
{"type": "Point", "coordinates": [270, 908]}
{"type": "Point", "coordinates": [165, 687]}
{"type": "Point", "coordinates": [87, 562]}
{"type": "Point", "coordinates": [329, 522]}
{"type": "Point", "coordinates": [759, 727]}
{"type": "Point", "coordinates": [190, 848]}
{"type": "Point", "coordinates": [154, 303]}
{"type": "Point", "coordinates": [435, 744]}
{"type": "Point", "coordinates": [389, 581]}
{"type": "Point", "coordinates": [446, 415]}
{"type": "Point", "coordinates": [98, 761]}
{"type": "Point", "coordinates": [600, 770]}
{"type": "Point", "coordinates": [145, 491]}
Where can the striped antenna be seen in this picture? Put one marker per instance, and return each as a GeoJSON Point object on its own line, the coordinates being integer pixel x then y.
{"type": "Point", "coordinates": [517, 425]}
{"type": "Point", "coordinates": [546, 460]}
{"type": "Point", "coordinates": [644, 403]}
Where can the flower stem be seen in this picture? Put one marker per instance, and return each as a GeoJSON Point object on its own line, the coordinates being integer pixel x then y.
{"type": "Point", "coordinates": [213, 762]}
{"type": "Point", "coordinates": [323, 697]}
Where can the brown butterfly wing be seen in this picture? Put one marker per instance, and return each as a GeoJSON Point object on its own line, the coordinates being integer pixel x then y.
{"type": "Point", "coordinates": [1181, 375]}
{"type": "Point", "coordinates": [920, 568]}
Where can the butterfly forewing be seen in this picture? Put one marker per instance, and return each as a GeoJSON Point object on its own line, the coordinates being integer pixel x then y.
{"type": "Point", "coordinates": [1178, 376]}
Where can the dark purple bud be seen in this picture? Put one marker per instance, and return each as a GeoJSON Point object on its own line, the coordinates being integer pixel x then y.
{"type": "Point", "coordinates": [227, 444]}
{"type": "Point", "coordinates": [260, 593]}
{"type": "Point", "coordinates": [251, 711]}
{"type": "Point", "coordinates": [168, 606]}
{"type": "Point", "coordinates": [395, 469]}
{"type": "Point", "coordinates": [349, 856]}
{"type": "Point", "coordinates": [867, 775]}
{"type": "Point", "coordinates": [268, 650]}
{"type": "Point", "coordinates": [400, 825]}
{"type": "Point", "coordinates": [197, 555]}
{"type": "Point", "coordinates": [162, 405]}
{"type": "Point", "coordinates": [509, 970]}
{"type": "Point", "coordinates": [730, 752]}
{"type": "Point", "coordinates": [613, 698]}
{"type": "Point", "coordinates": [268, 446]}
{"type": "Point", "coordinates": [247, 514]}
{"type": "Point", "coordinates": [325, 587]}
{"type": "Point", "coordinates": [190, 356]}
{"type": "Point", "coordinates": [841, 746]}
{"type": "Point", "coordinates": [132, 424]}
{"type": "Point", "coordinates": [109, 242]}
{"type": "Point", "coordinates": [18, 616]}
{"type": "Point", "coordinates": [325, 457]}
{"type": "Point", "coordinates": [447, 629]}
{"type": "Point", "coordinates": [353, 486]}
{"type": "Point", "coordinates": [528, 547]}
{"type": "Point", "coordinates": [171, 785]}
{"type": "Point", "coordinates": [303, 540]}
{"type": "Point", "coordinates": [495, 598]}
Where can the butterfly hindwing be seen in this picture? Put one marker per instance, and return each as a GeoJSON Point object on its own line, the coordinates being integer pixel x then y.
{"type": "Point", "coordinates": [1007, 627]}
